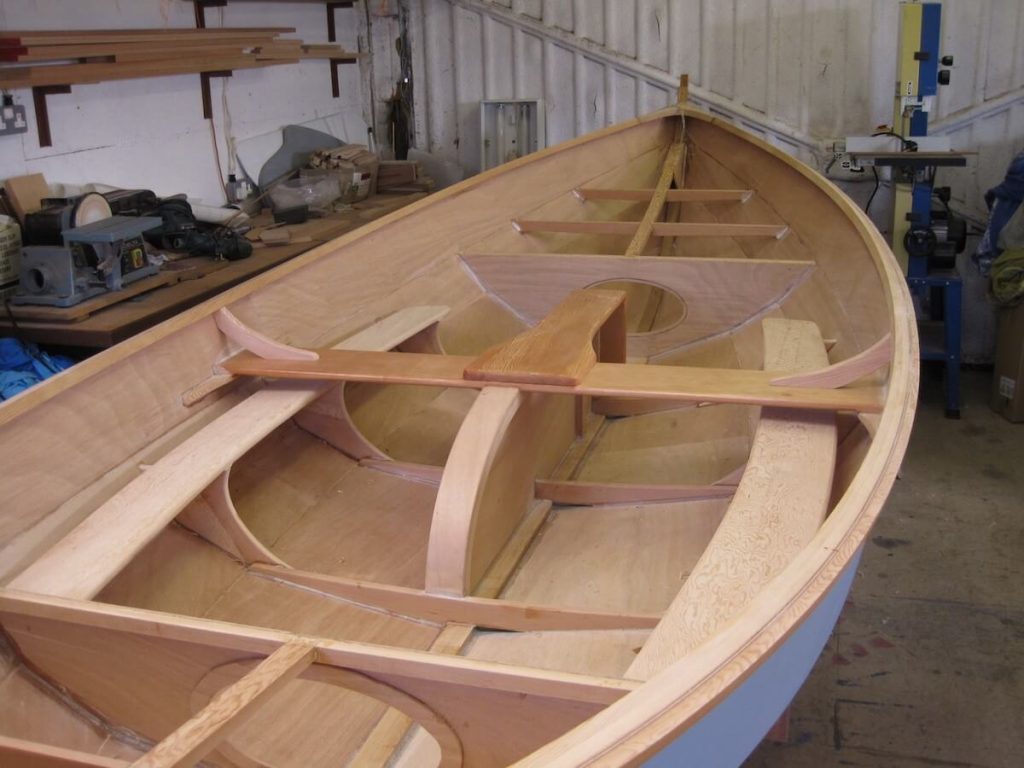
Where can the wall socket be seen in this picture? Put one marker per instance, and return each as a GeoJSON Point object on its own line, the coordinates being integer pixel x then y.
{"type": "Point", "coordinates": [12, 119]}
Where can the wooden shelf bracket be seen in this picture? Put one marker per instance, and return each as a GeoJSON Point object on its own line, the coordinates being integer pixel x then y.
{"type": "Point", "coordinates": [39, 94]}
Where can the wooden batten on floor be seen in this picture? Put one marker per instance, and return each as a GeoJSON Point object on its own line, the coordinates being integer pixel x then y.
{"type": "Point", "coordinates": [575, 492]}
{"type": "Point", "coordinates": [482, 612]}
{"type": "Point", "coordinates": [21, 753]}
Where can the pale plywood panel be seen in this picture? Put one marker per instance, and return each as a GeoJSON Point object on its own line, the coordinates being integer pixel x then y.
{"type": "Point", "coordinates": [370, 525]}
{"type": "Point", "coordinates": [281, 478]}
{"type": "Point", "coordinates": [692, 446]}
{"type": "Point", "coordinates": [585, 557]}
{"type": "Point", "coordinates": [606, 653]}
{"type": "Point", "coordinates": [177, 572]}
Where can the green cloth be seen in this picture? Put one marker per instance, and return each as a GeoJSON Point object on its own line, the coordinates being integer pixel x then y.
{"type": "Point", "coordinates": [1008, 277]}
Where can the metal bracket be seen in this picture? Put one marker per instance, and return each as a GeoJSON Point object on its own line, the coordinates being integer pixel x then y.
{"type": "Point", "coordinates": [204, 83]}
{"type": "Point", "coordinates": [39, 94]}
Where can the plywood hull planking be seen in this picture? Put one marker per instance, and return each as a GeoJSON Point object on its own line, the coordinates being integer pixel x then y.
{"type": "Point", "coordinates": [583, 479]}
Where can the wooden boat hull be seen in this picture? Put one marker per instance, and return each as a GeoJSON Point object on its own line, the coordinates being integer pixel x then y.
{"type": "Point", "coordinates": [547, 526]}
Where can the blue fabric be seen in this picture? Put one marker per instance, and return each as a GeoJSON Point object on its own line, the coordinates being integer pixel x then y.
{"type": "Point", "coordinates": [25, 365]}
{"type": "Point", "coordinates": [1002, 201]}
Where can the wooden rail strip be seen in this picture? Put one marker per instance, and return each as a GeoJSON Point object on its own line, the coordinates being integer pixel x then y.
{"type": "Point", "coordinates": [659, 229]}
{"type": "Point", "coordinates": [779, 505]}
{"type": "Point", "coordinates": [671, 196]}
{"type": "Point", "coordinates": [80, 564]}
{"type": "Point", "coordinates": [20, 753]}
{"type": "Point", "coordinates": [577, 492]}
{"type": "Point", "coordinates": [482, 612]}
{"type": "Point", "coordinates": [230, 708]}
{"type": "Point", "coordinates": [560, 349]}
{"type": "Point", "coordinates": [845, 371]}
{"type": "Point", "coordinates": [662, 382]}
{"type": "Point", "coordinates": [669, 171]}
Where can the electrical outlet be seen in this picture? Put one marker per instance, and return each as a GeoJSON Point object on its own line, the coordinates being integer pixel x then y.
{"type": "Point", "coordinates": [12, 120]}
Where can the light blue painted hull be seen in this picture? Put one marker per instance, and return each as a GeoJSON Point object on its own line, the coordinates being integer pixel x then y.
{"type": "Point", "coordinates": [732, 730]}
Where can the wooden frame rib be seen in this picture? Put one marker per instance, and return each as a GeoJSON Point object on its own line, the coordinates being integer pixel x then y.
{"type": "Point", "coordinates": [230, 708]}
{"type": "Point", "coordinates": [671, 196]}
{"type": "Point", "coordinates": [659, 229]}
{"type": "Point", "coordinates": [478, 611]}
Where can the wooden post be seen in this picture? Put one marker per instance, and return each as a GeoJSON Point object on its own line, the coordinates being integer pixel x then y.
{"type": "Point", "coordinates": [684, 89]}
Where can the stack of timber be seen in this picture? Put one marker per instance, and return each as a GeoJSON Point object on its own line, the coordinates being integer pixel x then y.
{"type": "Point", "coordinates": [402, 176]}
{"type": "Point", "coordinates": [53, 58]}
{"type": "Point", "coordinates": [568, 464]}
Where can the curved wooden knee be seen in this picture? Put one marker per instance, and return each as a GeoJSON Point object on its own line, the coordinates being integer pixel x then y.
{"type": "Point", "coordinates": [507, 438]}
{"type": "Point", "coordinates": [214, 517]}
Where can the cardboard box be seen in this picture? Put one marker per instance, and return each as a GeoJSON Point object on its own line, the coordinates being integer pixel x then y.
{"type": "Point", "coordinates": [1008, 376]}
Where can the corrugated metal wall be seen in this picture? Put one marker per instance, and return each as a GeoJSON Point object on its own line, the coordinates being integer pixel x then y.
{"type": "Point", "coordinates": [798, 72]}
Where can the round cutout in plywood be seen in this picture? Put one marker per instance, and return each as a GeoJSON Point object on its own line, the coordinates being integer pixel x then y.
{"type": "Point", "coordinates": [321, 718]}
{"type": "Point", "coordinates": [650, 308]}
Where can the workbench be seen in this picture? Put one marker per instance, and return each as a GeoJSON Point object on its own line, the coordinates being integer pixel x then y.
{"type": "Point", "coordinates": [105, 320]}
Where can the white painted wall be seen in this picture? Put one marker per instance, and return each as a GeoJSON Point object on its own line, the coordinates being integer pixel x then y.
{"type": "Point", "coordinates": [798, 72]}
{"type": "Point", "coordinates": [151, 133]}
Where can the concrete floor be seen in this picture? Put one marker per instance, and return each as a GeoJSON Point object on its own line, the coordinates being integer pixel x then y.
{"type": "Point", "coordinates": [926, 665]}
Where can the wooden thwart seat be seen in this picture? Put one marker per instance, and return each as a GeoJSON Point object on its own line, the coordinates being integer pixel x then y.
{"type": "Point", "coordinates": [780, 503]}
{"type": "Point", "coordinates": [661, 382]}
{"type": "Point", "coordinates": [81, 563]}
